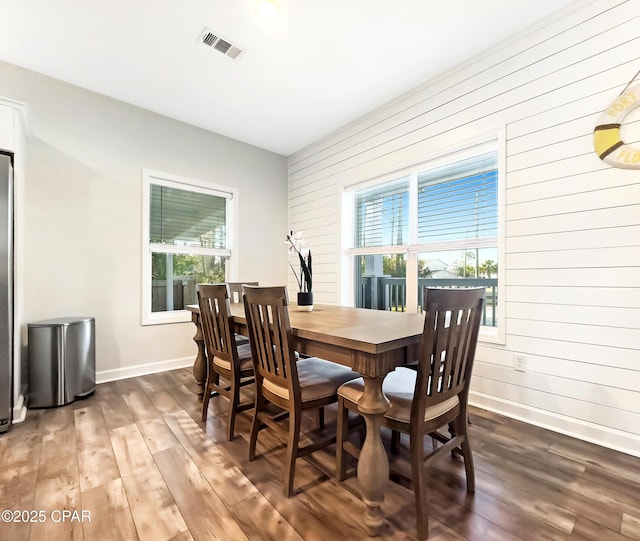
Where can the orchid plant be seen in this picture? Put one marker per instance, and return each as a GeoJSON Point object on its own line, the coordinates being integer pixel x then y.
{"type": "Point", "coordinates": [296, 243]}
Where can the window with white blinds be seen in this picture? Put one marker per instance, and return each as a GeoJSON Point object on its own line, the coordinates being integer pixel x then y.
{"type": "Point", "coordinates": [187, 240]}
{"type": "Point", "coordinates": [435, 225]}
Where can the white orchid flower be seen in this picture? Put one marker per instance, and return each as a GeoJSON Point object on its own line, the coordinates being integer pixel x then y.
{"type": "Point", "coordinates": [296, 242]}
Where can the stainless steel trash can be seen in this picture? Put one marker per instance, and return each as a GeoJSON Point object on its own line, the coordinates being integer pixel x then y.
{"type": "Point", "coordinates": [62, 360]}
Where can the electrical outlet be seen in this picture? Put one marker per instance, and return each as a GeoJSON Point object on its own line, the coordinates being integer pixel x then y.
{"type": "Point", "coordinates": [519, 362]}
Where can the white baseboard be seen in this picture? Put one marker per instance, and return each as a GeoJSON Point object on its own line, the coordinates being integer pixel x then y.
{"type": "Point", "coordinates": [604, 436]}
{"type": "Point", "coordinates": [103, 376]}
{"type": "Point", "coordinates": [19, 410]}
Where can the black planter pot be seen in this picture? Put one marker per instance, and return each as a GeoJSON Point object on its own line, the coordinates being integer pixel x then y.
{"type": "Point", "coordinates": [305, 301]}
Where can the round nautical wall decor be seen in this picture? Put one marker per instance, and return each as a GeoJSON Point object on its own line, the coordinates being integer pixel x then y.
{"type": "Point", "coordinates": [606, 136]}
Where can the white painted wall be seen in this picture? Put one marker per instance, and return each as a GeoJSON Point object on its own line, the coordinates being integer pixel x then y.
{"type": "Point", "coordinates": [83, 200]}
{"type": "Point", "coordinates": [572, 234]}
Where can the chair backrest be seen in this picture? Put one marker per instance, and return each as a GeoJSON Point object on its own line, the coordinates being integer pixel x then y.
{"type": "Point", "coordinates": [447, 351]}
{"type": "Point", "coordinates": [270, 336]}
{"type": "Point", "coordinates": [235, 290]}
{"type": "Point", "coordinates": [215, 317]}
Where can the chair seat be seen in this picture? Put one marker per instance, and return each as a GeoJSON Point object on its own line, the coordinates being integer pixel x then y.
{"type": "Point", "coordinates": [244, 354]}
{"type": "Point", "coordinates": [398, 386]}
{"type": "Point", "coordinates": [318, 379]}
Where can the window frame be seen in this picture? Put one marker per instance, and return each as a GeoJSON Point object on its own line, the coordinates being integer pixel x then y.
{"type": "Point", "coordinates": [157, 178]}
{"type": "Point", "coordinates": [412, 248]}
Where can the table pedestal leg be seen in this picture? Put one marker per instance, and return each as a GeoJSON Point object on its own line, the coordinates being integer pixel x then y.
{"type": "Point", "coordinates": [373, 464]}
{"type": "Point", "coordinates": [200, 363]}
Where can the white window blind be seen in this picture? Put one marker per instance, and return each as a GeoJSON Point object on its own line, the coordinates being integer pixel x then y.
{"type": "Point", "coordinates": [382, 215]}
{"type": "Point", "coordinates": [187, 218]}
{"type": "Point", "coordinates": [459, 201]}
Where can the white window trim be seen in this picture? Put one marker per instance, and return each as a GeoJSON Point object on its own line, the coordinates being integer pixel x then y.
{"type": "Point", "coordinates": [158, 178]}
{"type": "Point", "coordinates": [495, 335]}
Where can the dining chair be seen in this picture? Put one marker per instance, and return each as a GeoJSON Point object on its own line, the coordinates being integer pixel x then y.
{"type": "Point", "coordinates": [235, 290]}
{"type": "Point", "coordinates": [235, 297]}
{"type": "Point", "coordinates": [230, 365]}
{"type": "Point", "coordinates": [434, 396]}
{"type": "Point", "coordinates": [293, 385]}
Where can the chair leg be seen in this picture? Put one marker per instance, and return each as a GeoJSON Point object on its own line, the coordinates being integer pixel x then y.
{"type": "Point", "coordinates": [234, 399]}
{"type": "Point", "coordinates": [205, 401]}
{"type": "Point", "coordinates": [292, 452]}
{"type": "Point", "coordinates": [342, 433]}
{"type": "Point", "coordinates": [320, 419]}
{"type": "Point", "coordinates": [468, 456]}
{"type": "Point", "coordinates": [453, 432]}
{"type": "Point", "coordinates": [395, 441]}
{"type": "Point", "coordinates": [255, 425]}
{"type": "Point", "coordinates": [419, 486]}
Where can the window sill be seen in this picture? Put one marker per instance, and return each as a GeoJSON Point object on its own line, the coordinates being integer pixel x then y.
{"type": "Point", "coordinates": [491, 335]}
{"type": "Point", "coordinates": [162, 318]}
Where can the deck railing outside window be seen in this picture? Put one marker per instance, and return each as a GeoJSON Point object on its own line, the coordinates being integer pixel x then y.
{"type": "Point", "coordinates": [385, 293]}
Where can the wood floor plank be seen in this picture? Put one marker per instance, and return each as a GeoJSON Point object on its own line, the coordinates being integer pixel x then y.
{"type": "Point", "coordinates": [631, 525]}
{"type": "Point", "coordinates": [225, 477]}
{"type": "Point", "coordinates": [204, 512]}
{"type": "Point", "coordinates": [167, 380]}
{"type": "Point", "coordinates": [128, 385]}
{"type": "Point", "coordinates": [155, 431]}
{"type": "Point", "coordinates": [115, 410]}
{"type": "Point", "coordinates": [188, 399]}
{"type": "Point", "coordinates": [130, 450]}
{"type": "Point", "coordinates": [509, 517]}
{"type": "Point", "coordinates": [96, 462]}
{"type": "Point", "coordinates": [303, 511]}
{"type": "Point", "coordinates": [260, 520]}
{"type": "Point", "coordinates": [554, 490]}
{"type": "Point", "coordinates": [58, 486]}
{"type": "Point", "coordinates": [149, 384]}
{"type": "Point", "coordinates": [19, 474]}
{"type": "Point", "coordinates": [154, 511]}
{"type": "Point", "coordinates": [163, 402]}
{"type": "Point", "coordinates": [608, 460]}
{"type": "Point", "coordinates": [611, 492]}
{"type": "Point", "coordinates": [111, 517]}
{"type": "Point", "coordinates": [3, 445]}
{"type": "Point", "coordinates": [326, 497]}
{"type": "Point", "coordinates": [183, 536]}
{"type": "Point", "coordinates": [184, 377]}
{"type": "Point", "coordinates": [591, 531]}
{"type": "Point", "coordinates": [454, 508]}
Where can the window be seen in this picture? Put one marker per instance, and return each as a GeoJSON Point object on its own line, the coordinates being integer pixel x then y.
{"type": "Point", "coordinates": [186, 241]}
{"type": "Point", "coordinates": [437, 224]}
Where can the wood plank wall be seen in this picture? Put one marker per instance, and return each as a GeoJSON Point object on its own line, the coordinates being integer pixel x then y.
{"type": "Point", "coordinates": [572, 233]}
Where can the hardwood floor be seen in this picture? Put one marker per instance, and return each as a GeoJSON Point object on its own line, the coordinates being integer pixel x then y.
{"type": "Point", "coordinates": [134, 461]}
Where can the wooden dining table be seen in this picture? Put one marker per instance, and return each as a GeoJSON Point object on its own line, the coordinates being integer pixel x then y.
{"type": "Point", "coordinates": [371, 342]}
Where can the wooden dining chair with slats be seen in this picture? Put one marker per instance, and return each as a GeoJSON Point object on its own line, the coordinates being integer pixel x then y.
{"type": "Point", "coordinates": [230, 365]}
{"type": "Point", "coordinates": [292, 384]}
{"type": "Point", "coordinates": [235, 297]}
{"type": "Point", "coordinates": [235, 290]}
{"type": "Point", "coordinates": [433, 397]}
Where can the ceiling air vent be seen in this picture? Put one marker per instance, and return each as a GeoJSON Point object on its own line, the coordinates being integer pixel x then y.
{"type": "Point", "coordinates": [213, 40]}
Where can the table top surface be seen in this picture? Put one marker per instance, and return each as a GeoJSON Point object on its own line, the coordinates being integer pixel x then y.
{"type": "Point", "coordinates": [373, 331]}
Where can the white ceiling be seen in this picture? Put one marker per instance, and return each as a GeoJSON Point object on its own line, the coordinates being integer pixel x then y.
{"type": "Point", "coordinates": [322, 64]}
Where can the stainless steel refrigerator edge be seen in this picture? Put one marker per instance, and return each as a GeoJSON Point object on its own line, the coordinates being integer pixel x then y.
{"type": "Point", "coordinates": [6, 291]}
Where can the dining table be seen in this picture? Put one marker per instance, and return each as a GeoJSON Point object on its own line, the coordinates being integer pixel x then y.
{"type": "Point", "coordinates": [371, 342]}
